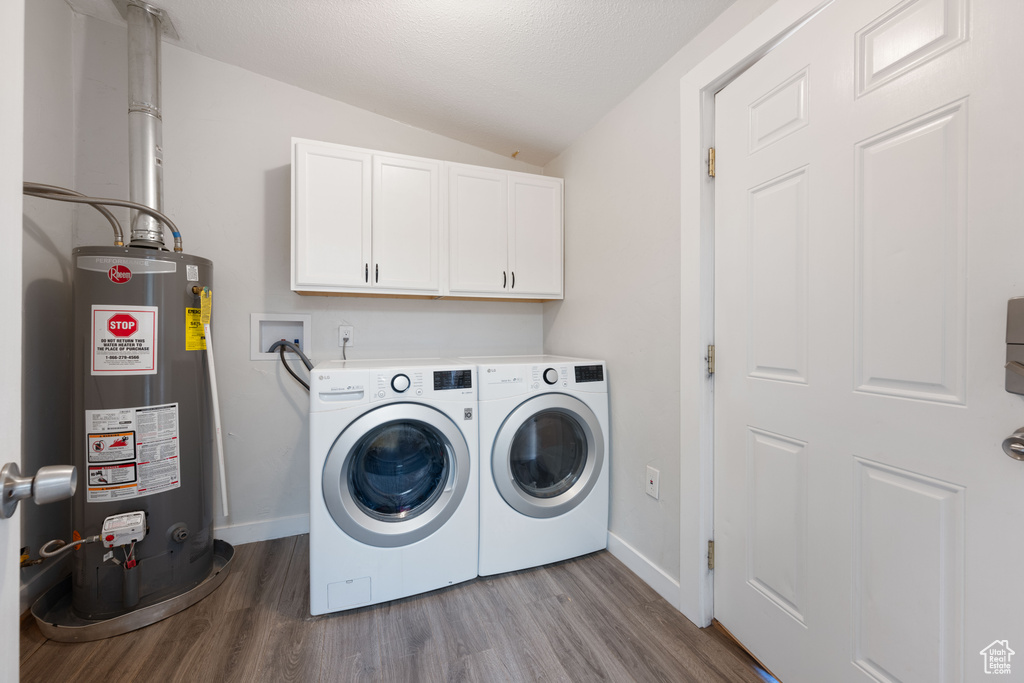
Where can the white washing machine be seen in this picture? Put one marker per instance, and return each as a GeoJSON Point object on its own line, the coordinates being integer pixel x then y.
{"type": "Point", "coordinates": [543, 460]}
{"type": "Point", "coordinates": [393, 480]}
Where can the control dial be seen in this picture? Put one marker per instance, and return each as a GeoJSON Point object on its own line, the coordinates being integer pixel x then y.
{"type": "Point", "coordinates": [550, 376]}
{"type": "Point", "coordinates": [400, 383]}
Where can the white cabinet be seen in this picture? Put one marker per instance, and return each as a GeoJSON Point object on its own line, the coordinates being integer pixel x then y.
{"type": "Point", "coordinates": [535, 236]}
{"type": "Point", "coordinates": [363, 222]}
{"type": "Point", "coordinates": [477, 230]}
{"type": "Point", "coordinates": [406, 224]}
{"type": "Point", "coordinates": [372, 223]}
{"type": "Point", "coordinates": [331, 217]}
{"type": "Point", "coordinates": [505, 234]}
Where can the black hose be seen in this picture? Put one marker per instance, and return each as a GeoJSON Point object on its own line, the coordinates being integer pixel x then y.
{"type": "Point", "coordinates": [280, 346]}
{"type": "Point", "coordinates": [294, 347]}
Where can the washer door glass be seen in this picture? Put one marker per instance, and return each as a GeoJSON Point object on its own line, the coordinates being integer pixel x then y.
{"type": "Point", "coordinates": [396, 474]}
{"type": "Point", "coordinates": [548, 454]}
{"type": "Point", "coordinates": [398, 470]}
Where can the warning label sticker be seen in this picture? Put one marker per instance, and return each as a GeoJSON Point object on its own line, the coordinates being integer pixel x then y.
{"type": "Point", "coordinates": [124, 340]}
{"type": "Point", "coordinates": [133, 452]}
{"type": "Point", "coordinates": [111, 447]}
{"type": "Point", "coordinates": [195, 338]}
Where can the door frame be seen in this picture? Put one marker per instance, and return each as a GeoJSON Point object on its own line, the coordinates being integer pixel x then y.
{"type": "Point", "coordinates": [697, 282]}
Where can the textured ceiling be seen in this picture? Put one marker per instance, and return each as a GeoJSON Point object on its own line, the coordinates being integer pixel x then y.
{"type": "Point", "coordinates": [504, 75]}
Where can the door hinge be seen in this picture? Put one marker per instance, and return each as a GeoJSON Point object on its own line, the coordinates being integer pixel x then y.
{"type": "Point", "coordinates": [711, 359]}
{"type": "Point", "coordinates": [711, 161]}
{"type": "Point", "coordinates": [711, 555]}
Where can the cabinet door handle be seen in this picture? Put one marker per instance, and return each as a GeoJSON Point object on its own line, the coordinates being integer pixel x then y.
{"type": "Point", "coordinates": [376, 272]}
{"type": "Point", "coordinates": [366, 272]}
{"type": "Point", "coordinates": [513, 279]}
{"type": "Point", "coordinates": [504, 279]}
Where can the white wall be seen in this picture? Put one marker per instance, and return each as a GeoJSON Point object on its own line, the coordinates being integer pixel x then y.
{"type": "Point", "coordinates": [622, 296]}
{"type": "Point", "coordinates": [46, 268]}
{"type": "Point", "coordinates": [226, 159]}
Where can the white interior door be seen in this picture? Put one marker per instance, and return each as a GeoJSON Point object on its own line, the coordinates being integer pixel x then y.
{"type": "Point", "coordinates": [868, 235]}
{"type": "Point", "coordinates": [12, 70]}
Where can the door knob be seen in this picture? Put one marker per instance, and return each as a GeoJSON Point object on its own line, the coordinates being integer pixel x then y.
{"type": "Point", "coordinates": [1013, 445]}
{"type": "Point", "coordinates": [51, 483]}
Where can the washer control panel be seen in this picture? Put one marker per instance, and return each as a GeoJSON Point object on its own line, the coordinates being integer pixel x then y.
{"type": "Point", "coordinates": [394, 383]}
{"type": "Point", "coordinates": [400, 382]}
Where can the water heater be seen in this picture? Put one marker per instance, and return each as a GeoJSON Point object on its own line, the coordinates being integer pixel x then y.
{"type": "Point", "coordinates": [145, 419]}
{"type": "Point", "coordinates": [143, 432]}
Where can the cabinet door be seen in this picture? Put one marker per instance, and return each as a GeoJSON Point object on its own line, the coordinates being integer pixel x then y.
{"type": "Point", "coordinates": [406, 223]}
{"type": "Point", "coordinates": [330, 216]}
{"type": "Point", "coordinates": [535, 236]}
{"type": "Point", "coordinates": [478, 230]}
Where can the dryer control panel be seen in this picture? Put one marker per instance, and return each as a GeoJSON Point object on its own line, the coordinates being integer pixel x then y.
{"type": "Point", "coordinates": [503, 380]}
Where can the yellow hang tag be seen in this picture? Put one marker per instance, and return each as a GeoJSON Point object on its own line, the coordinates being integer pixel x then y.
{"type": "Point", "coordinates": [195, 337]}
{"type": "Point", "coordinates": [206, 297]}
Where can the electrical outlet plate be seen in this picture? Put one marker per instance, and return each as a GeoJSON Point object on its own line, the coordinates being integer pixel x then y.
{"type": "Point", "coordinates": [267, 328]}
{"type": "Point", "coordinates": [653, 481]}
{"type": "Point", "coordinates": [346, 331]}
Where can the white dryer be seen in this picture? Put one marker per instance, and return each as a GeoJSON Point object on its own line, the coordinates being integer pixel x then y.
{"type": "Point", "coordinates": [393, 482]}
{"type": "Point", "coordinates": [543, 460]}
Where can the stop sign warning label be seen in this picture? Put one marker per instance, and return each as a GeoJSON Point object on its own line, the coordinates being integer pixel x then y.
{"type": "Point", "coordinates": [122, 325]}
{"type": "Point", "coordinates": [124, 340]}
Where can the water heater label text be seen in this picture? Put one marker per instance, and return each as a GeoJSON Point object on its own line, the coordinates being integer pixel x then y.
{"type": "Point", "coordinates": [124, 340]}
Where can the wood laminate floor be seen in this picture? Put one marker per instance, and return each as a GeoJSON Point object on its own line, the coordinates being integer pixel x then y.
{"type": "Point", "coordinates": [587, 619]}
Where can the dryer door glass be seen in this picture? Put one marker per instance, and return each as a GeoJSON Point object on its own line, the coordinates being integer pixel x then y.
{"type": "Point", "coordinates": [398, 470]}
{"type": "Point", "coordinates": [548, 454]}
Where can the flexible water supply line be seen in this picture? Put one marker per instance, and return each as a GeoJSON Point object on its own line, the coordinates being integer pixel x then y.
{"type": "Point", "coordinates": [44, 192]}
{"type": "Point", "coordinates": [62, 194]}
{"type": "Point", "coordinates": [64, 546]}
{"type": "Point", "coordinates": [216, 421]}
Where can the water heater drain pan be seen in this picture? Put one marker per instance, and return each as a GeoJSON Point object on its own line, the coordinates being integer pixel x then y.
{"type": "Point", "coordinates": [58, 621]}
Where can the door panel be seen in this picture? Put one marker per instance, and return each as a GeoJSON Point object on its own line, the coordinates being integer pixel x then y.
{"type": "Point", "coordinates": [898, 615]}
{"type": "Point", "coordinates": [778, 279]}
{"type": "Point", "coordinates": [911, 238]}
{"type": "Point", "coordinates": [867, 237]}
{"type": "Point", "coordinates": [777, 519]}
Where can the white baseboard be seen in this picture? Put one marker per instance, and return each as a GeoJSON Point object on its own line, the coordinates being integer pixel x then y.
{"type": "Point", "coordinates": [263, 530]}
{"type": "Point", "coordinates": [655, 577]}
{"type": "Point", "coordinates": [44, 579]}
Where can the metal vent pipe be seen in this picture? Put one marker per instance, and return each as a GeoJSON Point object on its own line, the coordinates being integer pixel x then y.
{"type": "Point", "coordinates": [145, 134]}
